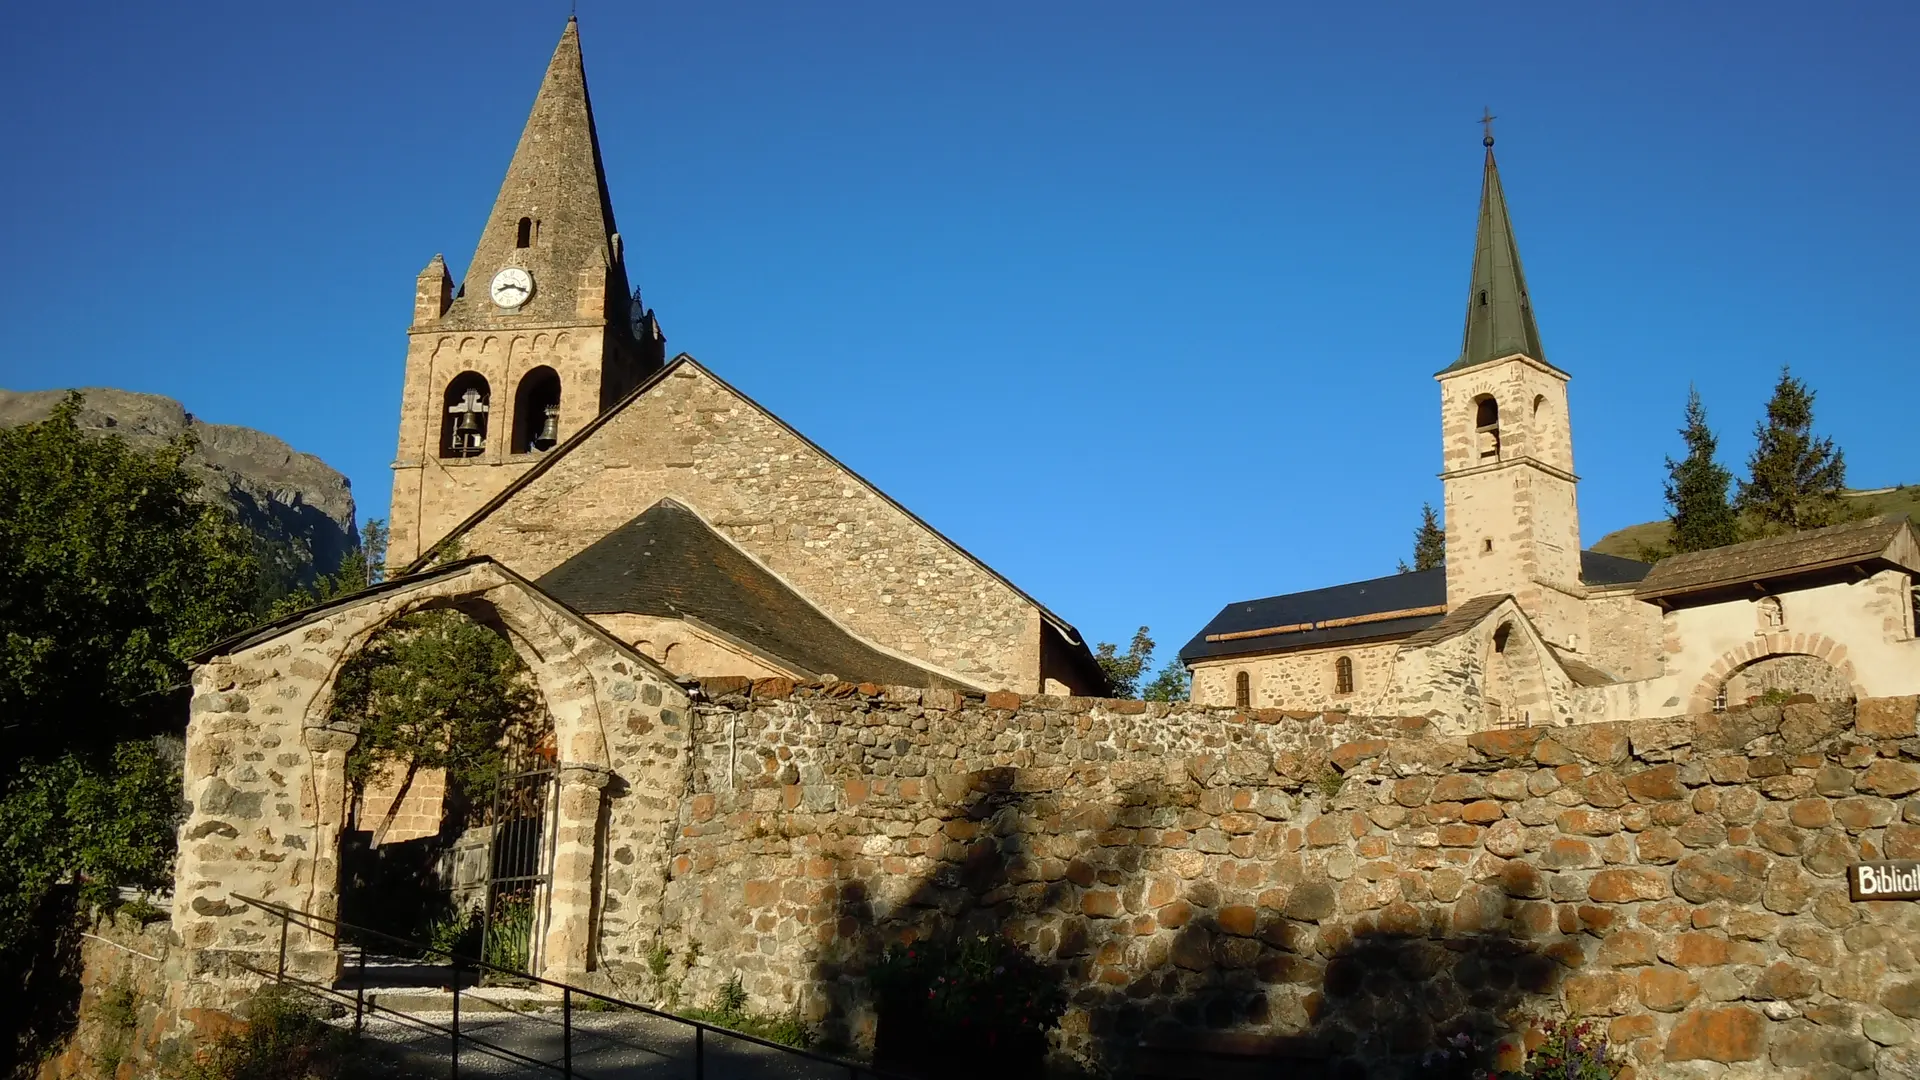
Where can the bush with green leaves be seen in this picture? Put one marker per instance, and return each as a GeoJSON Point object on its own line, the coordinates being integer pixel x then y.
{"type": "Point", "coordinates": [960, 1007]}
{"type": "Point", "coordinates": [731, 1010]}
{"type": "Point", "coordinates": [285, 1037]}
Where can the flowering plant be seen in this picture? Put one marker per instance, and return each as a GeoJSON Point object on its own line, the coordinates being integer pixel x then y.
{"type": "Point", "coordinates": [1572, 1050]}
{"type": "Point", "coordinates": [1461, 1056]}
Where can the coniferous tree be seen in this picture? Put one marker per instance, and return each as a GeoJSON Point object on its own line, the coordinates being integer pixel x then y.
{"type": "Point", "coordinates": [1794, 478]}
{"type": "Point", "coordinates": [1429, 542]}
{"type": "Point", "coordinates": [1697, 503]}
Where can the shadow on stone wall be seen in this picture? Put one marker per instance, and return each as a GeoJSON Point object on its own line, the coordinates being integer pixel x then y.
{"type": "Point", "coordinates": [1373, 995]}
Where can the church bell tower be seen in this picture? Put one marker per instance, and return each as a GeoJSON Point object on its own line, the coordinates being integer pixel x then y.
{"type": "Point", "coordinates": [1512, 518]}
{"type": "Point", "coordinates": [540, 338]}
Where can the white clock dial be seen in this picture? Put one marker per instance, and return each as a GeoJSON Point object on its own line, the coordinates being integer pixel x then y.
{"type": "Point", "coordinates": [511, 287]}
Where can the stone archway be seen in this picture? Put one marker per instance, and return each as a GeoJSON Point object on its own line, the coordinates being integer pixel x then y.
{"type": "Point", "coordinates": [1765, 649]}
{"type": "Point", "coordinates": [265, 772]}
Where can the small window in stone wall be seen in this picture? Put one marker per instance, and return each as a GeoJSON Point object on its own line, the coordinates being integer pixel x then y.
{"type": "Point", "coordinates": [1242, 690]}
{"type": "Point", "coordinates": [1343, 675]}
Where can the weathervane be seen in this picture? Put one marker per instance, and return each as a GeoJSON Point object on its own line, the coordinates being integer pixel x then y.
{"type": "Point", "coordinates": [1486, 119]}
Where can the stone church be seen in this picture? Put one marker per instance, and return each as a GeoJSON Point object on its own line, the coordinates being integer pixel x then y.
{"type": "Point", "coordinates": [1523, 627]}
{"type": "Point", "coordinates": [542, 425]}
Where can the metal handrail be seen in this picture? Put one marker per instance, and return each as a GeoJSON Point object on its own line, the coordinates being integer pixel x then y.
{"type": "Point", "coordinates": [289, 915]}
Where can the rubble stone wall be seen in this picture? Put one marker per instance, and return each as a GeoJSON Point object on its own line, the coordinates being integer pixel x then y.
{"type": "Point", "coordinates": [1366, 885]}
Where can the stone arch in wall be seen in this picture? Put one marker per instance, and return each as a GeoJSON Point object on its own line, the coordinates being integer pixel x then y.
{"type": "Point", "coordinates": [1513, 687]}
{"type": "Point", "coordinates": [265, 772]}
{"type": "Point", "coordinates": [1816, 658]}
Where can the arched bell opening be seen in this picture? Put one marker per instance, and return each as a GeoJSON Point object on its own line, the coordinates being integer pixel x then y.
{"type": "Point", "coordinates": [1486, 427]}
{"type": "Point", "coordinates": [536, 411]}
{"type": "Point", "coordinates": [465, 409]}
{"type": "Point", "coordinates": [448, 838]}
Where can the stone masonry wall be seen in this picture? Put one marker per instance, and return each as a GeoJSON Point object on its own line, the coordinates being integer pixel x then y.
{"type": "Point", "coordinates": [1362, 884]}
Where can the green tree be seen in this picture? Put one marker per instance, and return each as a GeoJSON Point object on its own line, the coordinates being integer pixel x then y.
{"type": "Point", "coordinates": [435, 689]}
{"type": "Point", "coordinates": [112, 572]}
{"type": "Point", "coordinates": [363, 567]}
{"type": "Point", "coordinates": [1697, 503]}
{"type": "Point", "coordinates": [1794, 477]}
{"type": "Point", "coordinates": [1123, 670]}
{"type": "Point", "coordinates": [1170, 685]}
{"type": "Point", "coordinates": [1429, 542]}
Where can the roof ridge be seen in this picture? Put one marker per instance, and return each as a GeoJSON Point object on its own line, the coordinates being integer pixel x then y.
{"type": "Point", "coordinates": [1785, 539]}
{"type": "Point", "coordinates": [548, 460]}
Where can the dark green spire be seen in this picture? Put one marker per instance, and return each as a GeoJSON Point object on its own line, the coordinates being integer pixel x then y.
{"type": "Point", "coordinates": [1499, 313]}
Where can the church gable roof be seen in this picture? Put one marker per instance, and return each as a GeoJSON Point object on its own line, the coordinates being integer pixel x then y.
{"type": "Point", "coordinates": [685, 364]}
{"type": "Point", "coordinates": [1458, 621]}
{"type": "Point", "coordinates": [1886, 539]}
{"type": "Point", "coordinates": [667, 562]}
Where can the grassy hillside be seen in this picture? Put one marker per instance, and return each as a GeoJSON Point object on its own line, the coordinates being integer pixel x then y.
{"type": "Point", "coordinates": [1628, 541]}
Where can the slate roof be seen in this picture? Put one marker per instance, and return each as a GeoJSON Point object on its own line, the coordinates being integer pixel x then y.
{"type": "Point", "coordinates": [1500, 319]}
{"type": "Point", "coordinates": [1360, 611]}
{"type": "Point", "coordinates": [667, 562]}
{"type": "Point", "coordinates": [1310, 611]}
{"type": "Point", "coordinates": [1459, 620]}
{"type": "Point", "coordinates": [1775, 557]}
{"type": "Point", "coordinates": [1581, 672]}
{"type": "Point", "coordinates": [1603, 570]}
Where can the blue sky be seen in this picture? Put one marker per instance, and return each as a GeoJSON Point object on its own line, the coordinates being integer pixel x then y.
{"type": "Point", "coordinates": [1139, 303]}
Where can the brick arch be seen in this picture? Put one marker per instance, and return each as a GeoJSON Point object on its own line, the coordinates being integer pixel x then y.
{"type": "Point", "coordinates": [1761, 648]}
{"type": "Point", "coordinates": [265, 771]}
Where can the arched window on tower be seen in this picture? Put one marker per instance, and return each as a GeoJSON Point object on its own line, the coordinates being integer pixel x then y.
{"type": "Point", "coordinates": [1486, 426]}
{"type": "Point", "coordinates": [1242, 690]}
{"type": "Point", "coordinates": [463, 417]}
{"type": "Point", "coordinates": [1343, 675]}
{"type": "Point", "coordinates": [536, 411]}
{"type": "Point", "coordinates": [528, 232]}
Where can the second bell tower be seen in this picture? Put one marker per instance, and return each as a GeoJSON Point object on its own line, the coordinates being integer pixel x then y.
{"type": "Point", "coordinates": [1512, 517]}
{"type": "Point", "coordinates": [542, 336]}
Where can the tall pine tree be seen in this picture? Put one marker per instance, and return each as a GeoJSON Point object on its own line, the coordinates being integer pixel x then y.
{"type": "Point", "coordinates": [1697, 488]}
{"type": "Point", "coordinates": [1795, 478]}
{"type": "Point", "coordinates": [1429, 542]}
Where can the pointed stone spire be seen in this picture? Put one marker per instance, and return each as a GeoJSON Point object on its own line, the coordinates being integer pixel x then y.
{"type": "Point", "coordinates": [1499, 312]}
{"type": "Point", "coordinates": [553, 217]}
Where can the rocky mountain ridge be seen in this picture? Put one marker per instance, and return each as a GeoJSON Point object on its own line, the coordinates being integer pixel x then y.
{"type": "Point", "coordinates": [299, 506]}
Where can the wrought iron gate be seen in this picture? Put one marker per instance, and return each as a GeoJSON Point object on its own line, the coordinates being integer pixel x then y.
{"type": "Point", "coordinates": [521, 823]}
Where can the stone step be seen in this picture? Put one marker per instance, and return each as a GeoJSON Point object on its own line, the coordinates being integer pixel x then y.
{"type": "Point", "coordinates": [490, 999]}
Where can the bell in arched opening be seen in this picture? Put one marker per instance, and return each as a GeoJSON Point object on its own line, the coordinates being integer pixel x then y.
{"type": "Point", "coordinates": [465, 425]}
{"type": "Point", "coordinates": [536, 411]}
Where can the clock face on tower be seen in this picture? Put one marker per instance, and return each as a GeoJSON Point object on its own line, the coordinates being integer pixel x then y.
{"type": "Point", "coordinates": [511, 287]}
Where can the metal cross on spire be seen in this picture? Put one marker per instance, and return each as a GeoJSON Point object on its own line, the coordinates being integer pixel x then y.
{"type": "Point", "coordinates": [1486, 119]}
